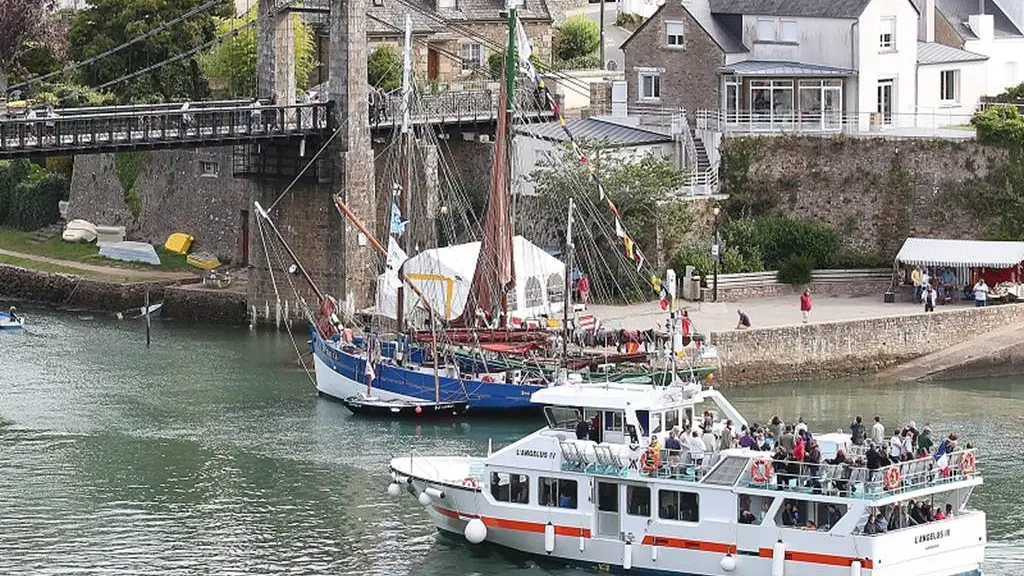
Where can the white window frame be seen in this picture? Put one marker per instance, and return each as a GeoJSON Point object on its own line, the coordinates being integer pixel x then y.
{"type": "Point", "coordinates": [759, 34]}
{"type": "Point", "coordinates": [470, 62]}
{"type": "Point", "coordinates": [675, 40]}
{"type": "Point", "coordinates": [944, 86]}
{"type": "Point", "coordinates": [795, 29]}
{"type": "Point", "coordinates": [446, 4]}
{"type": "Point", "coordinates": [655, 95]}
{"type": "Point", "coordinates": [209, 169]}
{"type": "Point", "coordinates": [887, 28]}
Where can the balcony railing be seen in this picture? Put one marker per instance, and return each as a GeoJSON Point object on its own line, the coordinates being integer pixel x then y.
{"type": "Point", "coordinates": [951, 123]}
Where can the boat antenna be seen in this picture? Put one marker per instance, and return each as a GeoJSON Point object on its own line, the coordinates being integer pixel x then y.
{"type": "Point", "coordinates": [567, 301]}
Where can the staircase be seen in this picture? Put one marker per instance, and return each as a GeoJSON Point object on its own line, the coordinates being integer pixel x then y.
{"type": "Point", "coordinates": [703, 162]}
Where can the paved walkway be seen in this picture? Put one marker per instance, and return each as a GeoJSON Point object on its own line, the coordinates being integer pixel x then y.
{"type": "Point", "coordinates": [112, 272]}
{"type": "Point", "coordinates": [763, 312]}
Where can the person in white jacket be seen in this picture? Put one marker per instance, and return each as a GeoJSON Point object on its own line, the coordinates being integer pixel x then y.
{"type": "Point", "coordinates": [928, 296]}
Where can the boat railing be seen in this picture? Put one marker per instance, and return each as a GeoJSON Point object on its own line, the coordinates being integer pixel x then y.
{"type": "Point", "coordinates": [857, 481]}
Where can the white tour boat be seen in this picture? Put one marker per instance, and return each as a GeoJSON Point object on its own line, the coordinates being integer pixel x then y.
{"type": "Point", "coordinates": [607, 503]}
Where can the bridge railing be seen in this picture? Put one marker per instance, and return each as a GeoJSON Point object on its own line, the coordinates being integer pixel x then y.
{"type": "Point", "coordinates": [474, 104]}
{"type": "Point", "coordinates": [111, 129]}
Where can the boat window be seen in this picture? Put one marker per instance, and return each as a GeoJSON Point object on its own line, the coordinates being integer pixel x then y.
{"type": "Point", "coordinates": [655, 422]}
{"type": "Point", "coordinates": [607, 497]}
{"type": "Point", "coordinates": [807, 515]}
{"type": "Point", "coordinates": [507, 487]}
{"type": "Point", "coordinates": [671, 419]}
{"type": "Point", "coordinates": [688, 421]}
{"type": "Point", "coordinates": [752, 509]}
{"type": "Point", "coordinates": [644, 418]}
{"type": "Point", "coordinates": [638, 500]}
{"type": "Point", "coordinates": [613, 421]}
{"type": "Point", "coordinates": [561, 417]}
{"type": "Point", "coordinates": [557, 492]}
{"type": "Point", "coordinates": [674, 505]}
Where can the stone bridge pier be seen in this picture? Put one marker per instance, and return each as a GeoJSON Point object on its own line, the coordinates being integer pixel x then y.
{"type": "Point", "coordinates": [340, 261]}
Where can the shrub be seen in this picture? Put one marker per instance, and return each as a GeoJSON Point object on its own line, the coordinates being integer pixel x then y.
{"type": "Point", "coordinates": [697, 256]}
{"type": "Point", "coordinates": [773, 239]}
{"type": "Point", "coordinates": [577, 36]}
{"type": "Point", "coordinates": [12, 173]}
{"type": "Point", "coordinates": [628, 21]}
{"type": "Point", "coordinates": [384, 68]}
{"type": "Point", "coordinates": [494, 64]}
{"type": "Point", "coordinates": [35, 202]}
{"type": "Point", "coordinates": [1001, 124]}
{"type": "Point", "coordinates": [581, 63]}
{"type": "Point", "coordinates": [795, 270]}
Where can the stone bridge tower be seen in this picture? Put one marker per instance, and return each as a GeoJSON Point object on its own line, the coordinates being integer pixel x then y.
{"type": "Point", "coordinates": [339, 260]}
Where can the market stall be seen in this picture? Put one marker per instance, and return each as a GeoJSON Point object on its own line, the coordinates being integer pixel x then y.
{"type": "Point", "coordinates": [954, 266]}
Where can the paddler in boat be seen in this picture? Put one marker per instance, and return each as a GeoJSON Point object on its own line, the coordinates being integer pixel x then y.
{"type": "Point", "coordinates": [13, 313]}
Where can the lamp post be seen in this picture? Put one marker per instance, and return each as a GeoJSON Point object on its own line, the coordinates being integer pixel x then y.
{"type": "Point", "coordinates": [715, 255]}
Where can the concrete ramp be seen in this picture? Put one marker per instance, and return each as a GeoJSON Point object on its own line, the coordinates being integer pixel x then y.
{"type": "Point", "coordinates": [997, 353]}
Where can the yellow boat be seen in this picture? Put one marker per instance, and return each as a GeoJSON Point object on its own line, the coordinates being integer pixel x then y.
{"type": "Point", "coordinates": [203, 261]}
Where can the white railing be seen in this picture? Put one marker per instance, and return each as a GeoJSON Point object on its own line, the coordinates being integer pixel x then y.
{"type": "Point", "coordinates": [953, 122]}
{"type": "Point", "coordinates": [770, 277]}
{"type": "Point", "coordinates": [701, 182]}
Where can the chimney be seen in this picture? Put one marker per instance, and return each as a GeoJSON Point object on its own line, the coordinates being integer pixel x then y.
{"type": "Point", "coordinates": [982, 25]}
{"type": "Point", "coordinates": [929, 20]}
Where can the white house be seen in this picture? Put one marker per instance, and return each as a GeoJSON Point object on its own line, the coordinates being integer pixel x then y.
{"type": "Point", "coordinates": [993, 28]}
{"type": "Point", "coordinates": [950, 82]}
{"type": "Point", "coordinates": [535, 143]}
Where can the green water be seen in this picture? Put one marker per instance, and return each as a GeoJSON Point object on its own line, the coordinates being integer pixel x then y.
{"type": "Point", "coordinates": [210, 453]}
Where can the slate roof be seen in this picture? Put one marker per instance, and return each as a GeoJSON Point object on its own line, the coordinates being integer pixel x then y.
{"type": "Point", "coordinates": [808, 8]}
{"type": "Point", "coordinates": [957, 13]}
{"type": "Point", "coordinates": [594, 130]}
{"type": "Point", "coordinates": [712, 26]}
{"type": "Point", "coordinates": [935, 53]}
{"type": "Point", "coordinates": [389, 19]}
{"type": "Point", "coordinates": [779, 68]}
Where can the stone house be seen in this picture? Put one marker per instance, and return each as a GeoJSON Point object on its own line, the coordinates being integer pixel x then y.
{"type": "Point", "coordinates": [454, 46]}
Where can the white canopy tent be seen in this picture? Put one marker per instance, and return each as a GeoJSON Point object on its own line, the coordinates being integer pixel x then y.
{"type": "Point", "coordinates": [444, 276]}
{"type": "Point", "coordinates": [960, 253]}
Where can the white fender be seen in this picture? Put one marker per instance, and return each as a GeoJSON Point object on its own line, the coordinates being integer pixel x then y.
{"type": "Point", "coordinates": [394, 489]}
{"type": "Point", "coordinates": [583, 543]}
{"type": "Point", "coordinates": [627, 556]}
{"type": "Point", "coordinates": [654, 552]}
{"type": "Point", "coordinates": [728, 563]}
{"type": "Point", "coordinates": [424, 499]}
{"type": "Point", "coordinates": [549, 538]}
{"type": "Point", "coordinates": [779, 559]}
{"type": "Point", "coordinates": [434, 493]}
{"type": "Point", "coordinates": [476, 531]}
{"type": "Point", "coordinates": [855, 568]}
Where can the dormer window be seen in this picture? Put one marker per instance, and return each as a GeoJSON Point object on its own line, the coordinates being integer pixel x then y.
{"type": "Point", "coordinates": [788, 31]}
{"type": "Point", "coordinates": [766, 30]}
{"type": "Point", "coordinates": [446, 4]}
{"type": "Point", "coordinates": [674, 34]}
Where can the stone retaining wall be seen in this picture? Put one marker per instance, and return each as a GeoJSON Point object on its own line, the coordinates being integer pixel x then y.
{"type": "Point", "coordinates": [818, 289]}
{"type": "Point", "coordinates": [193, 304]}
{"type": "Point", "coordinates": [852, 347]}
{"type": "Point", "coordinates": [75, 291]}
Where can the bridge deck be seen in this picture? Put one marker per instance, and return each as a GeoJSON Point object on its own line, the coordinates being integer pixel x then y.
{"type": "Point", "coordinates": [171, 125]}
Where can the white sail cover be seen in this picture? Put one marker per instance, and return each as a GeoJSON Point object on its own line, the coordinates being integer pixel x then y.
{"type": "Point", "coordinates": [444, 276]}
{"type": "Point", "coordinates": [974, 253]}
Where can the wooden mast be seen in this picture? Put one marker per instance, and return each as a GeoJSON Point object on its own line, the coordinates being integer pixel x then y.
{"type": "Point", "coordinates": [404, 200]}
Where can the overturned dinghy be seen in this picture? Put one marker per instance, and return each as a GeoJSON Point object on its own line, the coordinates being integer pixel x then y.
{"type": "Point", "coordinates": [79, 231]}
{"type": "Point", "coordinates": [131, 252]}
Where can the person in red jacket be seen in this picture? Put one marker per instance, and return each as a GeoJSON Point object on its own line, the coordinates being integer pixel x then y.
{"type": "Point", "coordinates": [805, 304]}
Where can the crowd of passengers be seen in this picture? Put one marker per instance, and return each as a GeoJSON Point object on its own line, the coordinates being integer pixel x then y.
{"type": "Point", "coordinates": [905, 515]}
{"type": "Point", "coordinates": [796, 455]}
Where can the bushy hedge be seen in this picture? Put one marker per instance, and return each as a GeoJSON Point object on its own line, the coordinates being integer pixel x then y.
{"type": "Point", "coordinates": [576, 37]}
{"type": "Point", "coordinates": [29, 195]}
{"type": "Point", "coordinates": [795, 270]}
{"type": "Point", "coordinates": [773, 239]}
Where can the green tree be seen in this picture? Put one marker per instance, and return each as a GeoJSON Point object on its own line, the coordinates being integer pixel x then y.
{"type": "Point", "coordinates": [25, 26]}
{"type": "Point", "coordinates": [1003, 126]}
{"type": "Point", "coordinates": [384, 68]}
{"type": "Point", "coordinates": [644, 191]}
{"type": "Point", "coordinates": [106, 24]}
{"type": "Point", "coordinates": [231, 65]}
{"type": "Point", "coordinates": [577, 37]}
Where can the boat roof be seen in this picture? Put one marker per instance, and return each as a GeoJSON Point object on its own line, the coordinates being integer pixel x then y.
{"type": "Point", "coordinates": [611, 396]}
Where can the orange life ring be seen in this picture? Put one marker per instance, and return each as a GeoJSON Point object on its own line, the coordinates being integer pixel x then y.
{"type": "Point", "coordinates": [892, 478]}
{"type": "Point", "coordinates": [651, 460]}
{"type": "Point", "coordinates": [469, 482]}
{"type": "Point", "coordinates": [968, 463]}
{"type": "Point", "coordinates": [487, 378]}
{"type": "Point", "coordinates": [761, 470]}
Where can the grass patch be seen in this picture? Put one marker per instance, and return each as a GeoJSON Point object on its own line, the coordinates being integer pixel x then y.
{"type": "Point", "coordinates": [57, 248]}
{"type": "Point", "coordinates": [38, 266]}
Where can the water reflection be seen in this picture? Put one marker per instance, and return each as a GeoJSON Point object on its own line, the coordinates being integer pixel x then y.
{"type": "Point", "coordinates": [210, 453]}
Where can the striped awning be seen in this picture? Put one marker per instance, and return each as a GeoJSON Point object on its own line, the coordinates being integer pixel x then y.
{"type": "Point", "coordinates": [975, 253]}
